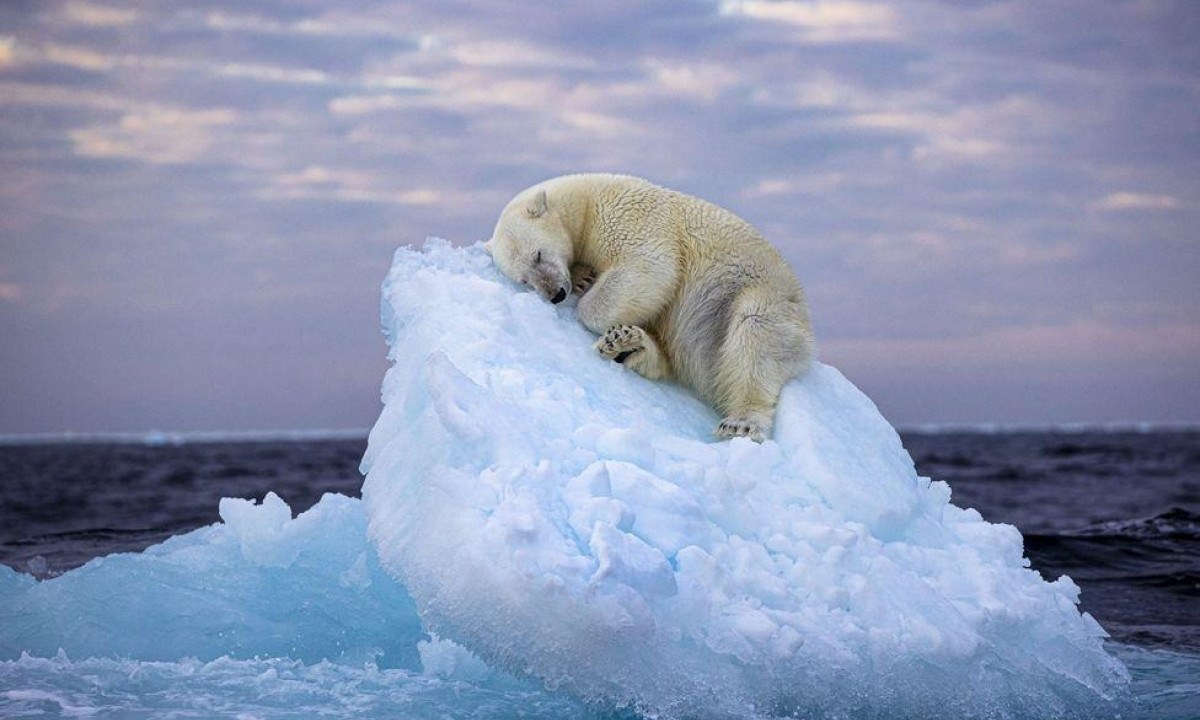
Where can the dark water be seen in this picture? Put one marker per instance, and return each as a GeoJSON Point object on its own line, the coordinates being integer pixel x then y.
{"type": "Point", "coordinates": [1118, 512]}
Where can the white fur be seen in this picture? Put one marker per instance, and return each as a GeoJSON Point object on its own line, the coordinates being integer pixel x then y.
{"type": "Point", "coordinates": [676, 287]}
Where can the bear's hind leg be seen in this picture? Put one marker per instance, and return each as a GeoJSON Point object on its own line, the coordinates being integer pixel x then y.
{"type": "Point", "coordinates": [765, 345]}
{"type": "Point", "coordinates": [636, 349]}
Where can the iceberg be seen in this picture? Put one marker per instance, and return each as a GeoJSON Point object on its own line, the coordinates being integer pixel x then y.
{"type": "Point", "coordinates": [545, 534]}
{"type": "Point", "coordinates": [567, 520]}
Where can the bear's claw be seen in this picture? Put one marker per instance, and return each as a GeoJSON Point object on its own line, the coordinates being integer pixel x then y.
{"type": "Point", "coordinates": [621, 341]}
{"type": "Point", "coordinates": [732, 427]}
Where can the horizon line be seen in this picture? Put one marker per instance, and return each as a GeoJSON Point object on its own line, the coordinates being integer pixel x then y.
{"type": "Point", "coordinates": [185, 437]}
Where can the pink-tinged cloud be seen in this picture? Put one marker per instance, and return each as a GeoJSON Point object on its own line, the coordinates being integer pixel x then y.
{"type": "Point", "coordinates": [1131, 201]}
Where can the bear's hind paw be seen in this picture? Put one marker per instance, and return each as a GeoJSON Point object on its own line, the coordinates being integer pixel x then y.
{"type": "Point", "coordinates": [732, 427]}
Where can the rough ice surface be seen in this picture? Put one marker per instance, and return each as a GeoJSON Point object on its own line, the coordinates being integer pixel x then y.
{"type": "Point", "coordinates": [569, 520]}
{"type": "Point", "coordinates": [259, 584]}
{"type": "Point", "coordinates": [261, 615]}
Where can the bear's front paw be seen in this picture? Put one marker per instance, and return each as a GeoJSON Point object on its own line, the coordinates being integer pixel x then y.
{"type": "Point", "coordinates": [732, 427]}
{"type": "Point", "coordinates": [583, 277]}
{"type": "Point", "coordinates": [621, 341]}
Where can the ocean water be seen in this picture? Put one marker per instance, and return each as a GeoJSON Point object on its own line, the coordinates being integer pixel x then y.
{"type": "Point", "coordinates": [1117, 511]}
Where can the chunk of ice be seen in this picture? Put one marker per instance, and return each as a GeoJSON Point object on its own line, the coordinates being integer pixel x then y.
{"type": "Point", "coordinates": [560, 516]}
{"type": "Point", "coordinates": [260, 584]}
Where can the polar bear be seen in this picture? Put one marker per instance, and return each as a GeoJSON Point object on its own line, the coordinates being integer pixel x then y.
{"type": "Point", "coordinates": [676, 287]}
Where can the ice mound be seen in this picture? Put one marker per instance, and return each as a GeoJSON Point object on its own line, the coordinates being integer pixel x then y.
{"type": "Point", "coordinates": [262, 583]}
{"type": "Point", "coordinates": [262, 615]}
{"type": "Point", "coordinates": [566, 519]}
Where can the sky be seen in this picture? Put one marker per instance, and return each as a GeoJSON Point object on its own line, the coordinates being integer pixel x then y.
{"type": "Point", "coordinates": [993, 206]}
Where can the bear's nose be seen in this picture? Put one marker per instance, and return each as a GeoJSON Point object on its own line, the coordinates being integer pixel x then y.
{"type": "Point", "coordinates": [559, 296]}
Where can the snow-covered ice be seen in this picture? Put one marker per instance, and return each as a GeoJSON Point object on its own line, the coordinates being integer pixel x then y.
{"type": "Point", "coordinates": [532, 510]}
{"type": "Point", "coordinates": [567, 519]}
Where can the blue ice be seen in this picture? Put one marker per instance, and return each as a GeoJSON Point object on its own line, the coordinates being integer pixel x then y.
{"type": "Point", "coordinates": [544, 532]}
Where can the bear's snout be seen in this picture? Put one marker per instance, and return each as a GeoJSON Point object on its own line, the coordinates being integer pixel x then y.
{"type": "Point", "coordinates": [559, 296]}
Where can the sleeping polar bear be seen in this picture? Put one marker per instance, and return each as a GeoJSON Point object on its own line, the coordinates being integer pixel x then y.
{"type": "Point", "coordinates": [675, 286]}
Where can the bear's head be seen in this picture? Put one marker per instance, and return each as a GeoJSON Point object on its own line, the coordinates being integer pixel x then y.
{"type": "Point", "coordinates": [532, 246]}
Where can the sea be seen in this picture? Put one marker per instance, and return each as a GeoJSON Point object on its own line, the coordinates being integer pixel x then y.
{"type": "Point", "coordinates": [1116, 509]}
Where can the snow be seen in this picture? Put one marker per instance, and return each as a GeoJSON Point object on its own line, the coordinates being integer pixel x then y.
{"type": "Point", "coordinates": [566, 519]}
{"type": "Point", "coordinates": [545, 534]}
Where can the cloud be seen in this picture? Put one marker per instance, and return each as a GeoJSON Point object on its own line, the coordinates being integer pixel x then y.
{"type": "Point", "coordinates": [346, 185]}
{"type": "Point", "coordinates": [272, 74]}
{"type": "Point", "coordinates": [516, 54]}
{"type": "Point", "coordinates": [703, 80]}
{"type": "Point", "coordinates": [53, 96]}
{"type": "Point", "coordinates": [7, 53]}
{"type": "Point", "coordinates": [333, 24]}
{"type": "Point", "coordinates": [92, 15]}
{"type": "Point", "coordinates": [79, 58]}
{"type": "Point", "coordinates": [800, 184]}
{"type": "Point", "coordinates": [366, 104]}
{"type": "Point", "coordinates": [1078, 343]}
{"type": "Point", "coordinates": [154, 135]}
{"type": "Point", "coordinates": [1131, 201]}
{"type": "Point", "coordinates": [468, 87]}
{"type": "Point", "coordinates": [822, 21]}
{"type": "Point", "coordinates": [1000, 131]}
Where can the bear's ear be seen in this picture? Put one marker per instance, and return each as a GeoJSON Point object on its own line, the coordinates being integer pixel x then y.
{"type": "Point", "coordinates": [538, 207]}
